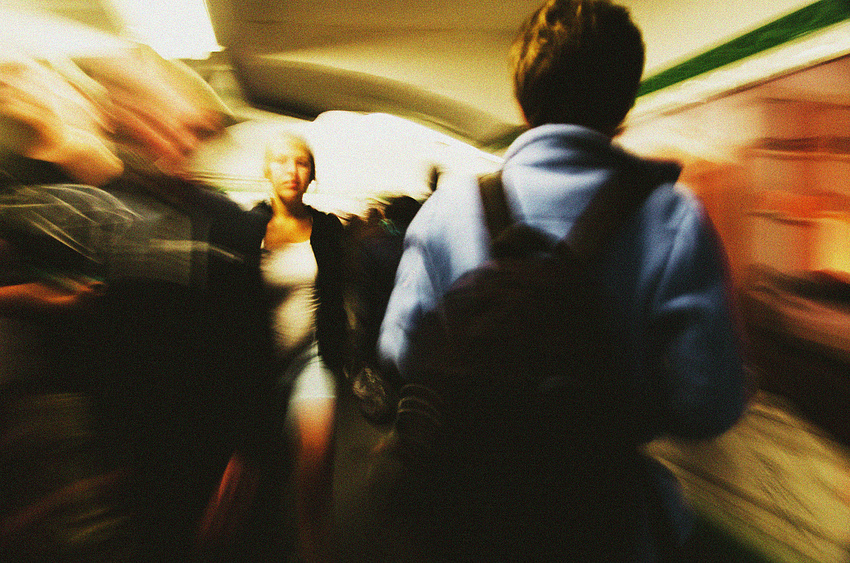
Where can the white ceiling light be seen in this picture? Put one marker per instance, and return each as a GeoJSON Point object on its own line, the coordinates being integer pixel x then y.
{"type": "Point", "coordinates": [176, 29]}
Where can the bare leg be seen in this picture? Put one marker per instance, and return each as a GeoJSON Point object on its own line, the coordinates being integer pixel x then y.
{"type": "Point", "coordinates": [313, 417]}
{"type": "Point", "coordinates": [314, 420]}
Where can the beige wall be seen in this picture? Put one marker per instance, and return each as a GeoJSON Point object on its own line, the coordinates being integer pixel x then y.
{"type": "Point", "coordinates": [677, 30]}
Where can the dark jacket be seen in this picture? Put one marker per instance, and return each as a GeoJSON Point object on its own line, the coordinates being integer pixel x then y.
{"type": "Point", "coordinates": [326, 241]}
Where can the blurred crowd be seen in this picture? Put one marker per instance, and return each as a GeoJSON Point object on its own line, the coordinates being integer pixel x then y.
{"type": "Point", "coordinates": [101, 286]}
{"type": "Point", "coordinates": [172, 361]}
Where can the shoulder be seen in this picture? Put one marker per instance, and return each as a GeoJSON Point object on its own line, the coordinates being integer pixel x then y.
{"type": "Point", "coordinates": [454, 205]}
{"type": "Point", "coordinates": [262, 208]}
{"type": "Point", "coordinates": [673, 245]}
{"type": "Point", "coordinates": [322, 217]}
{"type": "Point", "coordinates": [671, 206]}
{"type": "Point", "coordinates": [674, 209]}
{"type": "Point", "coordinates": [228, 220]}
{"type": "Point", "coordinates": [448, 235]}
{"type": "Point", "coordinates": [327, 232]}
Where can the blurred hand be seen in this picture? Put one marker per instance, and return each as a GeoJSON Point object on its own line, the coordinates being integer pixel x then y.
{"type": "Point", "coordinates": [38, 297]}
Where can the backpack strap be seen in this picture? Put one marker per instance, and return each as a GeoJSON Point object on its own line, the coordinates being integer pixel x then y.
{"type": "Point", "coordinates": [609, 208]}
{"type": "Point", "coordinates": [497, 214]}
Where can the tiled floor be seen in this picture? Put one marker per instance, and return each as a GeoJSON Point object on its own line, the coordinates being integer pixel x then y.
{"type": "Point", "coordinates": [773, 482]}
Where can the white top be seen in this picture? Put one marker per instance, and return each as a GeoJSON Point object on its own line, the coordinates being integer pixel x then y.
{"type": "Point", "coordinates": [289, 273]}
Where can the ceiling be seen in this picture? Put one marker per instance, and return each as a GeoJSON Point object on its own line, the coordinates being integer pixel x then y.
{"type": "Point", "coordinates": [444, 62]}
{"type": "Point", "coordinates": [440, 61]}
{"type": "Point", "coordinates": [437, 61]}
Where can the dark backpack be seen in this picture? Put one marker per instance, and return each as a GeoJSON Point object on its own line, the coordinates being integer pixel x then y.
{"type": "Point", "coordinates": [517, 417]}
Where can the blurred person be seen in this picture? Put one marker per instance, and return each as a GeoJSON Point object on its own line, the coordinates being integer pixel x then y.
{"type": "Point", "coordinates": [63, 139]}
{"type": "Point", "coordinates": [302, 270]}
{"type": "Point", "coordinates": [377, 243]}
{"type": "Point", "coordinates": [381, 255]}
{"type": "Point", "coordinates": [58, 483]}
{"type": "Point", "coordinates": [577, 66]}
{"type": "Point", "coordinates": [51, 133]}
{"type": "Point", "coordinates": [176, 401]}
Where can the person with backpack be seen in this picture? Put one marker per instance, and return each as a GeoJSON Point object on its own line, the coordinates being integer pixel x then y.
{"type": "Point", "coordinates": [669, 357]}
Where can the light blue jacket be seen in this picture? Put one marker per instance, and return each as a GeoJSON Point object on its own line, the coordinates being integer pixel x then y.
{"type": "Point", "coordinates": [666, 270]}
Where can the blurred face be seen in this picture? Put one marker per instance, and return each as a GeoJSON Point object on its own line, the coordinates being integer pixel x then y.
{"type": "Point", "coordinates": [43, 116]}
{"type": "Point", "coordinates": [289, 168]}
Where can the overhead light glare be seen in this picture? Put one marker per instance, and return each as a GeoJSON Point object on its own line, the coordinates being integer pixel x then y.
{"type": "Point", "coordinates": [176, 29]}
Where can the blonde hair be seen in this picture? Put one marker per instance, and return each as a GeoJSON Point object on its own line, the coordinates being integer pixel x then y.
{"type": "Point", "coordinates": [291, 139]}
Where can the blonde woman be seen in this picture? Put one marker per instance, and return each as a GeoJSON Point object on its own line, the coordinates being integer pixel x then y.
{"type": "Point", "coordinates": [301, 266]}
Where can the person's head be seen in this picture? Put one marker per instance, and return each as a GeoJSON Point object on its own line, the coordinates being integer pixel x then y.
{"type": "Point", "coordinates": [47, 117]}
{"type": "Point", "coordinates": [401, 210]}
{"type": "Point", "coordinates": [289, 166]}
{"type": "Point", "coordinates": [578, 62]}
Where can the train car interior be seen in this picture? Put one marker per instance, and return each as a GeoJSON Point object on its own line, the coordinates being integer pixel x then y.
{"type": "Point", "coordinates": [752, 99]}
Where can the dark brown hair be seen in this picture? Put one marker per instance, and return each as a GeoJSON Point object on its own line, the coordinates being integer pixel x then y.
{"type": "Point", "coordinates": [579, 62]}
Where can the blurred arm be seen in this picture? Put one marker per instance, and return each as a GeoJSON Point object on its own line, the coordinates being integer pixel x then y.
{"type": "Point", "coordinates": [697, 336]}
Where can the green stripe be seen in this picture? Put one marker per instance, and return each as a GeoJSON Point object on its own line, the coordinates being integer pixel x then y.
{"type": "Point", "coordinates": [787, 28]}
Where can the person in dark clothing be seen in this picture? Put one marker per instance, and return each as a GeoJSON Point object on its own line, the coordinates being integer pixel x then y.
{"type": "Point", "coordinates": [378, 243]}
{"type": "Point", "coordinates": [170, 368]}
{"type": "Point", "coordinates": [262, 328]}
{"type": "Point", "coordinates": [380, 257]}
{"type": "Point", "coordinates": [78, 466]}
